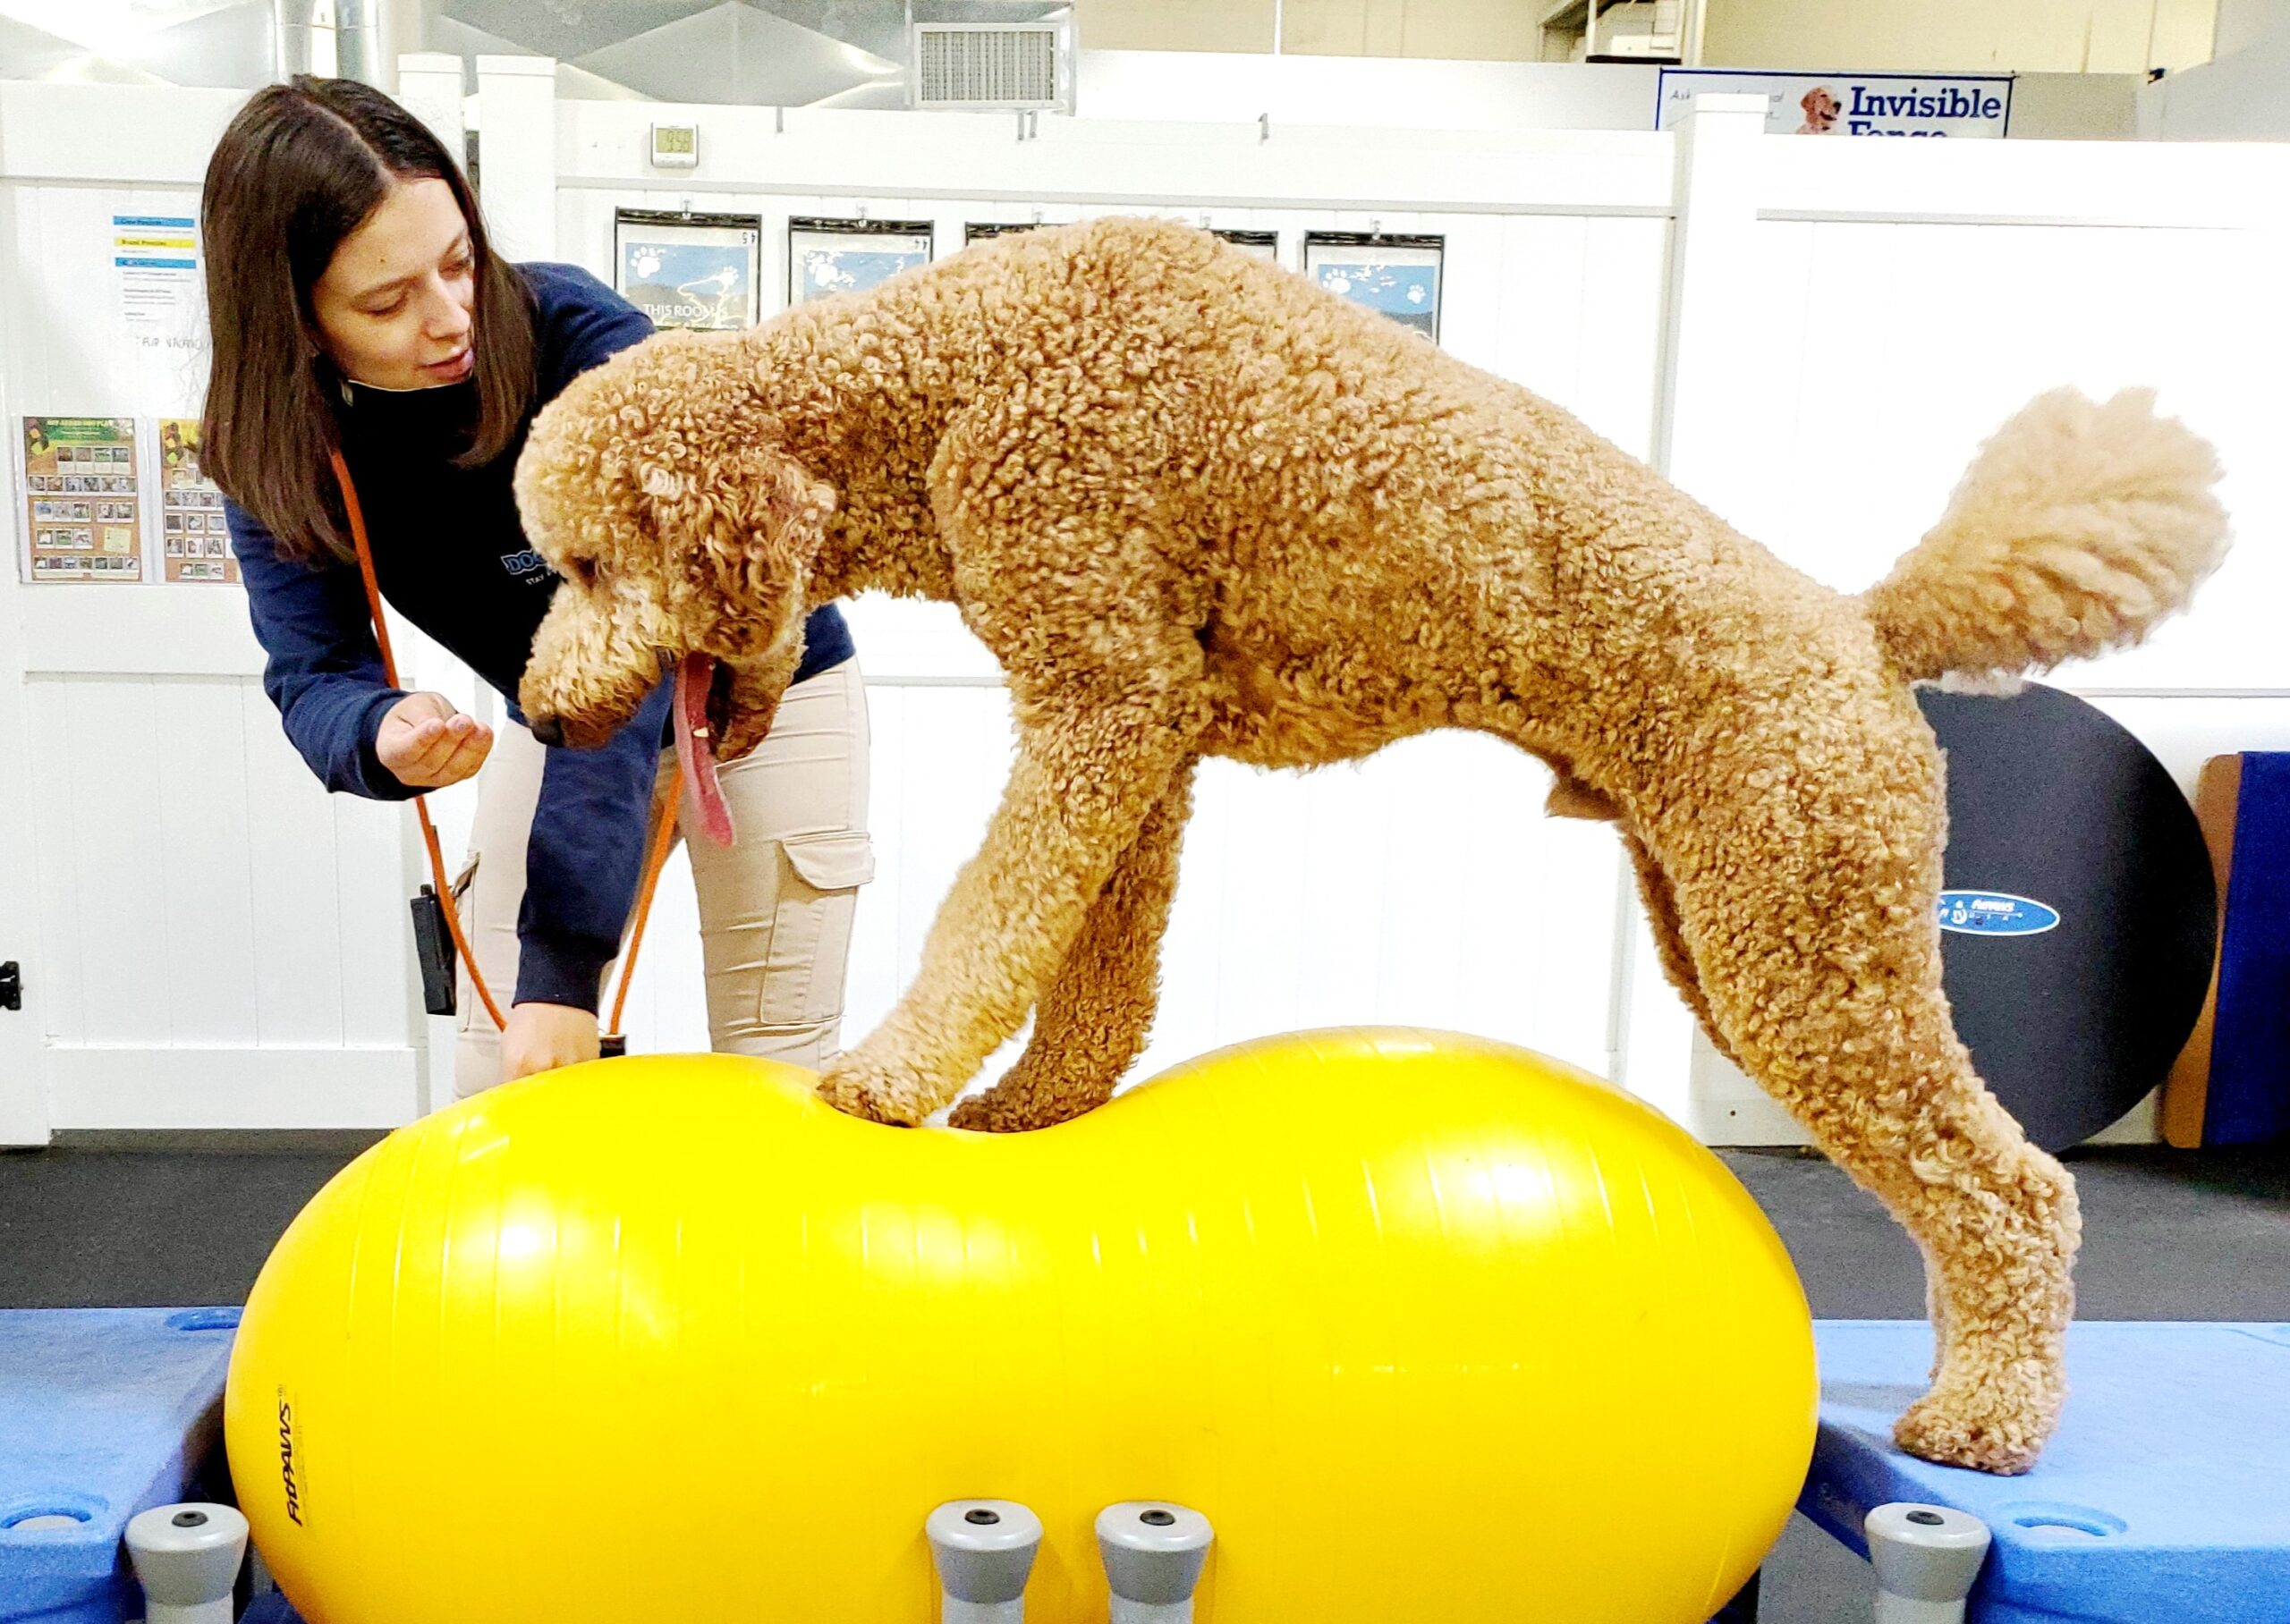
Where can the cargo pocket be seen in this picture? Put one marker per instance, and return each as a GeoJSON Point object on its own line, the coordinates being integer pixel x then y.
{"type": "Point", "coordinates": [811, 937]}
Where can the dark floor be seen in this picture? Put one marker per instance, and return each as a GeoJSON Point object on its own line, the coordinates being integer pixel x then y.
{"type": "Point", "coordinates": [2167, 1236]}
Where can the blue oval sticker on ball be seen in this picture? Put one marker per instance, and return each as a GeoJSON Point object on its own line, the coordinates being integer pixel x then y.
{"type": "Point", "coordinates": [1995, 913]}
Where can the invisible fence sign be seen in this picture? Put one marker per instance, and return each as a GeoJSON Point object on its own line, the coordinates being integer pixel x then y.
{"type": "Point", "coordinates": [1850, 104]}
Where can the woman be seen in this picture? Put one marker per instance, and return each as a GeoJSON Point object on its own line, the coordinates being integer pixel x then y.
{"type": "Point", "coordinates": [355, 304]}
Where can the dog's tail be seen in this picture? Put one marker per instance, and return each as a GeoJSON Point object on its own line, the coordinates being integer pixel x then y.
{"type": "Point", "coordinates": [2077, 527]}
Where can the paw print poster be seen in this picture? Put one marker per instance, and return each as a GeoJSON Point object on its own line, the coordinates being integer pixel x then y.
{"type": "Point", "coordinates": [81, 501]}
{"type": "Point", "coordinates": [690, 270]}
{"type": "Point", "coordinates": [192, 538]}
{"type": "Point", "coordinates": [1396, 276]}
{"type": "Point", "coordinates": [829, 256]}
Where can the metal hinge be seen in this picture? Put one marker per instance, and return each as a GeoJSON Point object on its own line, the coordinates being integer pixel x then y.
{"type": "Point", "coordinates": [12, 986]}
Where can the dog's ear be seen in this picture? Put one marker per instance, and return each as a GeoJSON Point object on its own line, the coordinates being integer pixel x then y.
{"type": "Point", "coordinates": [750, 525]}
{"type": "Point", "coordinates": [794, 508]}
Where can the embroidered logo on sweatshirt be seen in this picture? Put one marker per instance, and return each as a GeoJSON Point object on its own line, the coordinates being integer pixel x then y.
{"type": "Point", "coordinates": [524, 565]}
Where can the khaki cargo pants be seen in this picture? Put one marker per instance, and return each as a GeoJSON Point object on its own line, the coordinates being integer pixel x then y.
{"type": "Point", "coordinates": [775, 909]}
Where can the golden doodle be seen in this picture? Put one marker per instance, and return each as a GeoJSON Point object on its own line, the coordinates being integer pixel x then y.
{"type": "Point", "coordinates": [1197, 506]}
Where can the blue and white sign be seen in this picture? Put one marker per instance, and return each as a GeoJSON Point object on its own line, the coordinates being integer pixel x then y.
{"type": "Point", "coordinates": [1850, 104]}
{"type": "Point", "coordinates": [689, 271]}
{"type": "Point", "coordinates": [1995, 913]}
{"type": "Point", "coordinates": [826, 257]}
{"type": "Point", "coordinates": [1397, 277]}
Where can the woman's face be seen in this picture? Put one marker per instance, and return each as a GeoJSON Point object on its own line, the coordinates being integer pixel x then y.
{"type": "Point", "coordinates": [395, 304]}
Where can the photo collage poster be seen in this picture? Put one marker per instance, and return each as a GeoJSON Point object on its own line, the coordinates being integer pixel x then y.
{"type": "Point", "coordinates": [829, 256]}
{"type": "Point", "coordinates": [193, 541]}
{"type": "Point", "coordinates": [696, 271]}
{"type": "Point", "coordinates": [81, 501]}
{"type": "Point", "coordinates": [1396, 276]}
{"type": "Point", "coordinates": [120, 501]}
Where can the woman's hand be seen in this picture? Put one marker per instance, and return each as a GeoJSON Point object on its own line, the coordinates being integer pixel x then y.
{"type": "Point", "coordinates": [543, 1037]}
{"type": "Point", "coordinates": [428, 744]}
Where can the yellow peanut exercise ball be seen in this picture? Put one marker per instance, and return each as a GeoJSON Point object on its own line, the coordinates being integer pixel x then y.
{"type": "Point", "coordinates": [1428, 1328]}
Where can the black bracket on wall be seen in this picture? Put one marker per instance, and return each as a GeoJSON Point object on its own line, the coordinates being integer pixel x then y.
{"type": "Point", "coordinates": [12, 986]}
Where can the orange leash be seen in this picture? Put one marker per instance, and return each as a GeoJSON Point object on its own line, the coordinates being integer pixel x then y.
{"type": "Point", "coordinates": [663, 837]}
{"type": "Point", "coordinates": [656, 858]}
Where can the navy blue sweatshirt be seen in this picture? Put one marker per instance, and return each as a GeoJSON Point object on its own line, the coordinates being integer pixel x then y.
{"type": "Point", "coordinates": [451, 557]}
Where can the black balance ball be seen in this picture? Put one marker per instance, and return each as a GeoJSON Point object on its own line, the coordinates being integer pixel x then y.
{"type": "Point", "coordinates": [2080, 914]}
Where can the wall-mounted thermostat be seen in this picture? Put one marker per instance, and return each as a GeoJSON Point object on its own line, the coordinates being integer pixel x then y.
{"type": "Point", "coordinates": [675, 146]}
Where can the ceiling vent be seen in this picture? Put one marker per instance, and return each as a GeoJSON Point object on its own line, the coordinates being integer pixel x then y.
{"type": "Point", "coordinates": [1010, 66]}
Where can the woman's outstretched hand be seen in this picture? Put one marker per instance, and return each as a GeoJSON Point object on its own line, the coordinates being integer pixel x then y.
{"type": "Point", "coordinates": [543, 1037]}
{"type": "Point", "coordinates": [428, 744]}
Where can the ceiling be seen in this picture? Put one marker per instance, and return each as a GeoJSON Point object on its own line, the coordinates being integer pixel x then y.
{"type": "Point", "coordinates": [770, 53]}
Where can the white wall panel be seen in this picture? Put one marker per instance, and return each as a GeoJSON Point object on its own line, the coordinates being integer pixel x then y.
{"type": "Point", "coordinates": [294, 903]}
{"type": "Point", "coordinates": [1895, 349]}
{"type": "Point", "coordinates": [104, 796]}
{"type": "Point", "coordinates": [206, 864]}
{"type": "Point", "coordinates": [196, 879]}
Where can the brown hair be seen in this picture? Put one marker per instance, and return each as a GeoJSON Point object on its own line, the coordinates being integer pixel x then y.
{"type": "Point", "coordinates": [299, 169]}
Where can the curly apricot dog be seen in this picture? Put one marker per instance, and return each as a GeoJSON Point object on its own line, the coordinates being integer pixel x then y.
{"type": "Point", "coordinates": [1197, 506]}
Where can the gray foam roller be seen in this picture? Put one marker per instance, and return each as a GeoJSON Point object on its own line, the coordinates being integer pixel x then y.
{"type": "Point", "coordinates": [985, 1551]}
{"type": "Point", "coordinates": [1154, 1553]}
{"type": "Point", "coordinates": [1926, 1559]}
{"type": "Point", "coordinates": [187, 1559]}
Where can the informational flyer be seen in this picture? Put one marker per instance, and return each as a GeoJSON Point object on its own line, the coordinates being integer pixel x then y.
{"type": "Point", "coordinates": [690, 270]}
{"type": "Point", "coordinates": [156, 259]}
{"type": "Point", "coordinates": [826, 257]}
{"type": "Point", "coordinates": [81, 501]}
{"type": "Point", "coordinates": [1398, 276]}
{"type": "Point", "coordinates": [193, 541]}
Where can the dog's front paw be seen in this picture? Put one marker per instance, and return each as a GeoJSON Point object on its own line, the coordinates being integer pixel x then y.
{"type": "Point", "coordinates": [858, 1087]}
{"type": "Point", "coordinates": [983, 1114]}
{"type": "Point", "coordinates": [1052, 1082]}
{"type": "Point", "coordinates": [1004, 1110]}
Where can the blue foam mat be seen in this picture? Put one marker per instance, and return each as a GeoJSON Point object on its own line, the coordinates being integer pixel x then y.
{"type": "Point", "coordinates": [102, 1413]}
{"type": "Point", "coordinates": [2164, 1500]}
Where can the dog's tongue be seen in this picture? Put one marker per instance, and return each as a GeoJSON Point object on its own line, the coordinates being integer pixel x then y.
{"type": "Point", "coordinates": [696, 750]}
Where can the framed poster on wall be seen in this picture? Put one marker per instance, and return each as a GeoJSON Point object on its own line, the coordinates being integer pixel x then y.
{"type": "Point", "coordinates": [682, 270]}
{"type": "Point", "coordinates": [979, 231]}
{"type": "Point", "coordinates": [827, 256]}
{"type": "Point", "coordinates": [1397, 277]}
{"type": "Point", "coordinates": [82, 501]}
{"type": "Point", "coordinates": [1264, 245]}
{"type": "Point", "coordinates": [194, 544]}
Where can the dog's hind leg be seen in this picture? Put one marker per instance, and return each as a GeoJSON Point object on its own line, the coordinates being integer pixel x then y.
{"type": "Point", "coordinates": [1092, 1022]}
{"type": "Point", "coordinates": [1807, 903]}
